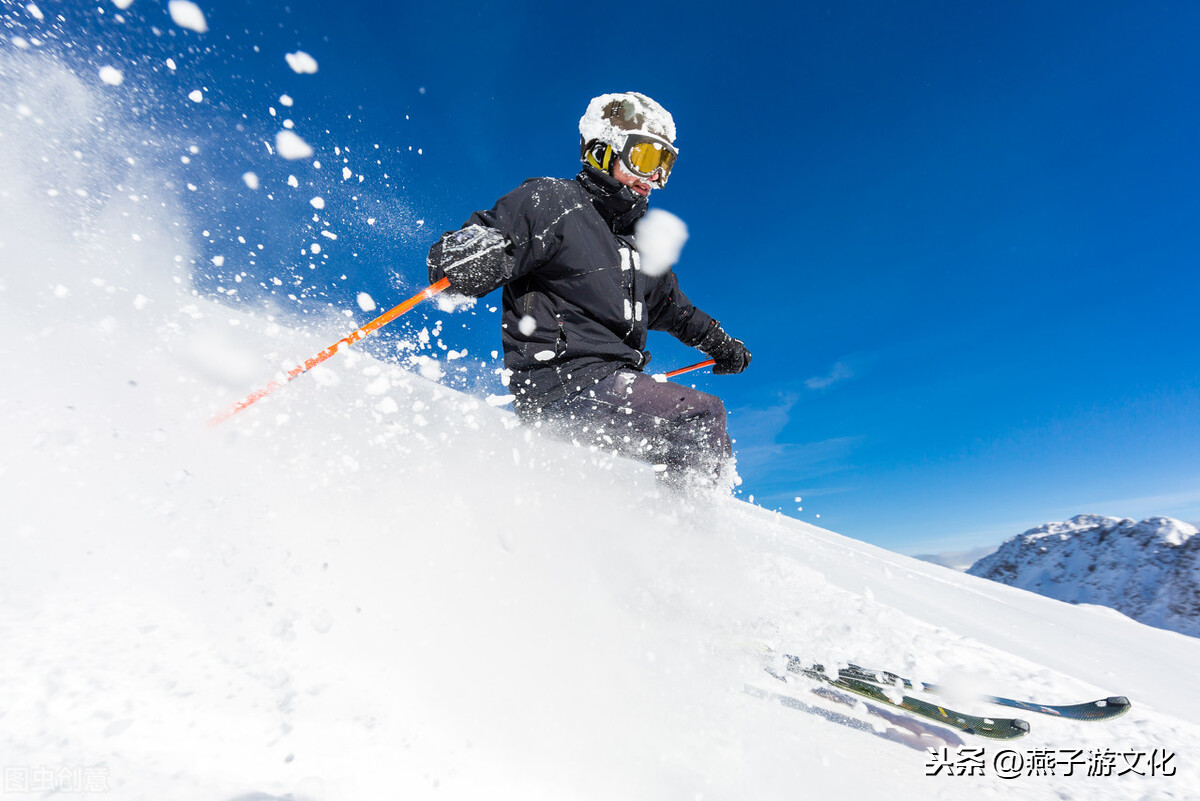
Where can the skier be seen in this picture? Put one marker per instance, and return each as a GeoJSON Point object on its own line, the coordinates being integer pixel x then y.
{"type": "Point", "coordinates": [577, 308]}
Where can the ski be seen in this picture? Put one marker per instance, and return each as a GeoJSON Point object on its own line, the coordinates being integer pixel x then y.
{"type": "Point", "coordinates": [992, 728]}
{"type": "Point", "coordinates": [1100, 709]}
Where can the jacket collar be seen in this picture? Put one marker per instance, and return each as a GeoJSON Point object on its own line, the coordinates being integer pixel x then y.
{"type": "Point", "coordinates": [619, 205]}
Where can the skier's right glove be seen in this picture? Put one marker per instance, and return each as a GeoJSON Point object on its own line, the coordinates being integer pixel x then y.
{"type": "Point", "coordinates": [476, 259]}
{"type": "Point", "coordinates": [729, 354]}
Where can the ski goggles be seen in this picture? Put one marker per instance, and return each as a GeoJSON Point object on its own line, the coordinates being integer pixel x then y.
{"type": "Point", "coordinates": [646, 155]}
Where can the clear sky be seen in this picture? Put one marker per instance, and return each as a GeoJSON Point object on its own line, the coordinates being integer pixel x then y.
{"type": "Point", "coordinates": [961, 239]}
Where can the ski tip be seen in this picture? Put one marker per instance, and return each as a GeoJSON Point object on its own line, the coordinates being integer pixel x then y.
{"type": "Point", "coordinates": [1113, 707]}
{"type": "Point", "coordinates": [1020, 725]}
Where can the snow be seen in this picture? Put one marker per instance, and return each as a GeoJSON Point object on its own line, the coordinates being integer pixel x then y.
{"type": "Point", "coordinates": [291, 147]}
{"type": "Point", "coordinates": [429, 368]}
{"type": "Point", "coordinates": [251, 179]}
{"type": "Point", "coordinates": [112, 76]}
{"type": "Point", "coordinates": [591, 126]}
{"type": "Point", "coordinates": [1146, 570]}
{"type": "Point", "coordinates": [370, 585]}
{"type": "Point", "coordinates": [660, 240]}
{"type": "Point", "coordinates": [196, 96]}
{"type": "Point", "coordinates": [366, 302]}
{"type": "Point", "coordinates": [188, 15]}
{"type": "Point", "coordinates": [301, 62]}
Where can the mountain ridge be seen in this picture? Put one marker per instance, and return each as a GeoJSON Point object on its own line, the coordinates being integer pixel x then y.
{"type": "Point", "coordinates": [1147, 570]}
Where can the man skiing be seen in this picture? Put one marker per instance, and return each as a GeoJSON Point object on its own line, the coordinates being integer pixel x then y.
{"type": "Point", "coordinates": [577, 307]}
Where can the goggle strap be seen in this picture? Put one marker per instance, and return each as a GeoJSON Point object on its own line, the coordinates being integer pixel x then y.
{"type": "Point", "coordinates": [605, 159]}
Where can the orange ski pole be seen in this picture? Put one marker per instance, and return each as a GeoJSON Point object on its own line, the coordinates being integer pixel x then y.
{"type": "Point", "coordinates": [349, 339]}
{"type": "Point", "coordinates": [688, 369]}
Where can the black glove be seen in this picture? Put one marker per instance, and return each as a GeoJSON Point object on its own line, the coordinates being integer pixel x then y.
{"type": "Point", "coordinates": [476, 259]}
{"type": "Point", "coordinates": [729, 354]}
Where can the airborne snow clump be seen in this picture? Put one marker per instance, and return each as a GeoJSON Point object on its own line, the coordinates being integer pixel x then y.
{"type": "Point", "coordinates": [301, 62]}
{"type": "Point", "coordinates": [660, 239]}
{"type": "Point", "coordinates": [290, 146]}
{"type": "Point", "coordinates": [188, 15]}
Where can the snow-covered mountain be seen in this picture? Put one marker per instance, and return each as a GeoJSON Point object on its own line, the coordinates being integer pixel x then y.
{"type": "Point", "coordinates": [1149, 571]}
{"type": "Point", "coordinates": [374, 586]}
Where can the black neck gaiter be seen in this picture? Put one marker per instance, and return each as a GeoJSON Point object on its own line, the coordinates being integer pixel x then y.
{"type": "Point", "coordinates": [619, 205]}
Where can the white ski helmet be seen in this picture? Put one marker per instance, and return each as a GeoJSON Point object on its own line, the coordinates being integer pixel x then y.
{"type": "Point", "coordinates": [632, 127]}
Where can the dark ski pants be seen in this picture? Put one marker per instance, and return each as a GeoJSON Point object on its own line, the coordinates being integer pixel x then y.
{"type": "Point", "coordinates": [663, 423]}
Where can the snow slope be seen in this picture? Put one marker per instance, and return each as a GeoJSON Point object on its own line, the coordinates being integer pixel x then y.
{"type": "Point", "coordinates": [373, 587]}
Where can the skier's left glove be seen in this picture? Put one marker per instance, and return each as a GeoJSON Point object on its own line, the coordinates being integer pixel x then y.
{"type": "Point", "coordinates": [729, 354]}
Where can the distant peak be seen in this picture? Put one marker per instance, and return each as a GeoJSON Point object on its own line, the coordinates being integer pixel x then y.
{"type": "Point", "coordinates": [1168, 530]}
{"type": "Point", "coordinates": [1084, 522]}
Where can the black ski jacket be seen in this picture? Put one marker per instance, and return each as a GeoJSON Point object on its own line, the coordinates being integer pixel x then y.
{"type": "Point", "coordinates": [576, 307]}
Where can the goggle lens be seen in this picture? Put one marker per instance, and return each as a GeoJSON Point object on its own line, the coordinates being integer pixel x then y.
{"type": "Point", "coordinates": [646, 158]}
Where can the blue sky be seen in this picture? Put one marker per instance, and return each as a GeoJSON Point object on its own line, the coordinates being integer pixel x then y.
{"type": "Point", "coordinates": [960, 239]}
